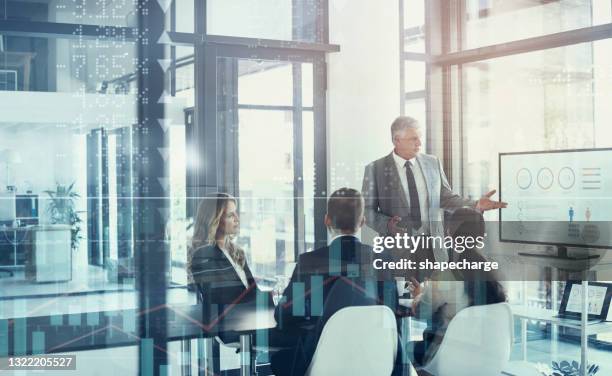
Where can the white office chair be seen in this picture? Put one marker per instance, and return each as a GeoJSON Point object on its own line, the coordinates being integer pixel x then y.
{"type": "Point", "coordinates": [478, 341]}
{"type": "Point", "coordinates": [356, 341]}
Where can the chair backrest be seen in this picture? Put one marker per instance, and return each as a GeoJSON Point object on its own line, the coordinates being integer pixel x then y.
{"type": "Point", "coordinates": [478, 341]}
{"type": "Point", "coordinates": [357, 341]}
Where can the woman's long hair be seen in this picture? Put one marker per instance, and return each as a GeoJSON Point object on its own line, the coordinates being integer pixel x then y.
{"type": "Point", "coordinates": [207, 228]}
{"type": "Point", "coordinates": [481, 287]}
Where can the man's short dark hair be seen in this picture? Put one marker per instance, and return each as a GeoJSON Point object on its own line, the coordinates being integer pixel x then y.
{"type": "Point", "coordinates": [345, 209]}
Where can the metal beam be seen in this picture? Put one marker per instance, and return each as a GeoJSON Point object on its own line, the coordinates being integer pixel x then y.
{"type": "Point", "coordinates": [565, 38]}
{"type": "Point", "coordinates": [412, 95]}
{"type": "Point", "coordinates": [414, 56]}
{"type": "Point", "coordinates": [175, 38]}
{"type": "Point", "coordinates": [189, 39]}
{"type": "Point", "coordinates": [66, 30]}
{"type": "Point", "coordinates": [266, 107]}
{"type": "Point", "coordinates": [270, 43]}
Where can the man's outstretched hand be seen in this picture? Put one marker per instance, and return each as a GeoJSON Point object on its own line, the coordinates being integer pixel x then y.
{"type": "Point", "coordinates": [485, 202]}
{"type": "Point", "coordinates": [393, 226]}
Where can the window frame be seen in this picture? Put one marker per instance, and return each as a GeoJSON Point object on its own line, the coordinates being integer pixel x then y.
{"type": "Point", "coordinates": [445, 32]}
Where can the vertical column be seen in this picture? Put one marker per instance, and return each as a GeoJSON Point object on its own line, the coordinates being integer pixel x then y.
{"type": "Point", "coordinates": [298, 304]}
{"type": "Point", "coordinates": [19, 336]}
{"type": "Point", "coordinates": [38, 342]}
{"type": "Point", "coordinates": [298, 164]}
{"type": "Point", "coordinates": [151, 201]}
{"type": "Point", "coordinates": [554, 297]}
{"type": "Point", "coordinates": [402, 78]}
{"type": "Point", "coordinates": [245, 354]}
{"type": "Point", "coordinates": [583, 326]}
{"type": "Point", "coordinates": [4, 340]}
{"type": "Point", "coordinates": [320, 151]}
{"type": "Point", "coordinates": [316, 295]}
{"type": "Point", "coordinates": [146, 356]}
{"type": "Point", "coordinates": [186, 357]}
{"type": "Point", "coordinates": [205, 356]}
{"type": "Point", "coordinates": [524, 322]}
{"type": "Point", "coordinates": [261, 336]}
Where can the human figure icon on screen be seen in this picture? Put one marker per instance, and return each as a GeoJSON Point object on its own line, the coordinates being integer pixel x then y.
{"type": "Point", "coordinates": [587, 214]}
{"type": "Point", "coordinates": [571, 214]}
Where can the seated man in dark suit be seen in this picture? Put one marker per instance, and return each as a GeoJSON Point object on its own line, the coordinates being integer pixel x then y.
{"type": "Point", "coordinates": [304, 308]}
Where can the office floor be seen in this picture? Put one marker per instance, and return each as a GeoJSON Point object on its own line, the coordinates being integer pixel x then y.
{"type": "Point", "coordinates": [124, 361]}
{"type": "Point", "coordinates": [84, 279]}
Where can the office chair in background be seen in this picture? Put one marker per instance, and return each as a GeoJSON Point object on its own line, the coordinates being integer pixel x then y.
{"type": "Point", "coordinates": [368, 348]}
{"type": "Point", "coordinates": [478, 341]}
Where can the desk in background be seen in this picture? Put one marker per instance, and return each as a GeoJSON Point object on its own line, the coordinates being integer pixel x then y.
{"type": "Point", "coordinates": [550, 316]}
{"type": "Point", "coordinates": [15, 242]}
{"type": "Point", "coordinates": [44, 251]}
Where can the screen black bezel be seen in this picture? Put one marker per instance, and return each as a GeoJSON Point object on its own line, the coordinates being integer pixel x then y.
{"type": "Point", "coordinates": [500, 155]}
{"type": "Point", "coordinates": [603, 315]}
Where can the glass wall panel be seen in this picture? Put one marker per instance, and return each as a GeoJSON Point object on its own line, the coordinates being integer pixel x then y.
{"type": "Point", "coordinates": [491, 22]}
{"type": "Point", "coordinates": [66, 156]}
{"type": "Point", "coordinates": [268, 19]}
{"type": "Point", "coordinates": [266, 188]}
{"type": "Point", "coordinates": [66, 65]}
{"type": "Point", "coordinates": [416, 108]}
{"type": "Point", "coordinates": [184, 16]}
{"type": "Point", "coordinates": [275, 76]}
{"type": "Point", "coordinates": [87, 12]}
{"type": "Point", "coordinates": [414, 25]}
{"type": "Point", "coordinates": [414, 76]}
{"type": "Point", "coordinates": [260, 100]}
{"type": "Point", "coordinates": [544, 100]}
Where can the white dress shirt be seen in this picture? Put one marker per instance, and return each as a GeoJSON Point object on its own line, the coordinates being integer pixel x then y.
{"type": "Point", "coordinates": [421, 186]}
{"type": "Point", "coordinates": [239, 269]}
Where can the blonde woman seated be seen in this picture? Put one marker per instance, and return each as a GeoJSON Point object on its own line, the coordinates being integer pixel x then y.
{"type": "Point", "coordinates": [215, 263]}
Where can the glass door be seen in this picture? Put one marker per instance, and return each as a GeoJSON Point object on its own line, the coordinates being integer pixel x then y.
{"type": "Point", "coordinates": [265, 131]}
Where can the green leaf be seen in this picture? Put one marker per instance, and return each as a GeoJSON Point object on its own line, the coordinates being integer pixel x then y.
{"type": "Point", "coordinates": [565, 364]}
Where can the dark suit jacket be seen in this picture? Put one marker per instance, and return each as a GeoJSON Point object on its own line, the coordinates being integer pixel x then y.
{"type": "Point", "coordinates": [345, 266]}
{"type": "Point", "coordinates": [385, 198]}
{"type": "Point", "coordinates": [215, 276]}
{"type": "Point", "coordinates": [384, 195]}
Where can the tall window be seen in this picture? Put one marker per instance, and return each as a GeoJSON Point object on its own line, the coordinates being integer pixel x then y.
{"type": "Point", "coordinates": [263, 100]}
{"type": "Point", "coordinates": [518, 76]}
{"type": "Point", "coordinates": [65, 138]}
{"type": "Point", "coordinates": [412, 58]}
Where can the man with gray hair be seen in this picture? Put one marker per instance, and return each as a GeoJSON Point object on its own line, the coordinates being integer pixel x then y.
{"type": "Point", "coordinates": [405, 191]}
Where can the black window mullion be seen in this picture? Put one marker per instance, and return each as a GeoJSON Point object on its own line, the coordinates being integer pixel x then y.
{"type": "Point", "coordinates": [298, 164]}
{"type": "Point", "coordinates": [152, 203]}
{"type": "Point", "coordinates": [320, 151]}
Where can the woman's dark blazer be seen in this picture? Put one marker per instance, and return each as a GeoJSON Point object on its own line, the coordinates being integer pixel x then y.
{"type": "Point", "coordinates": [216, 278]}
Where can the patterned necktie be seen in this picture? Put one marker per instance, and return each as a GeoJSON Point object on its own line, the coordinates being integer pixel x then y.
{"type": "Point", "coordinates": [415, 206]}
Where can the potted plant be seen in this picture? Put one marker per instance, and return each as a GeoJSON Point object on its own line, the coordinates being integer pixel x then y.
{"type": "Point", "coordinates": [565, 368]}
{"type": "Point", "coordinates": [62, 211]}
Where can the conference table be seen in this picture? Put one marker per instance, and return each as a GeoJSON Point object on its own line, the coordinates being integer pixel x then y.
{"type": "Point", "coordinates": [97, 330]}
